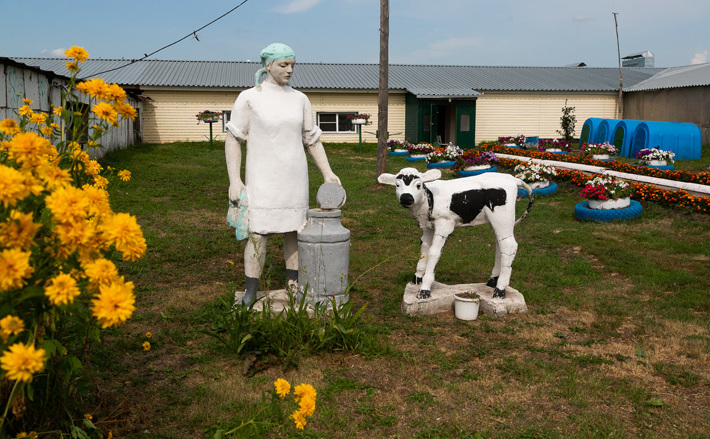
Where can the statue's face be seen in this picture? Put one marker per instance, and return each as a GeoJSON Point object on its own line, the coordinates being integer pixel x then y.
{"type": "Point", "coordinates": [280, 71]}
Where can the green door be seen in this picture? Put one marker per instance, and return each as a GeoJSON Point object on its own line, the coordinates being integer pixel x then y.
{"type": "Point", "coordinates": [466, 124]}
{"type": "Point", "coordinates": [434, 111]}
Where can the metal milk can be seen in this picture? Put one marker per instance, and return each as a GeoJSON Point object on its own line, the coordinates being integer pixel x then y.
{"type": "Point", "coordinates": [324, 250]}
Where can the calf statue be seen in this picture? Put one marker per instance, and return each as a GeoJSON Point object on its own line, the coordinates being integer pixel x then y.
{"type": "Point", "coordinates": [440, 206]}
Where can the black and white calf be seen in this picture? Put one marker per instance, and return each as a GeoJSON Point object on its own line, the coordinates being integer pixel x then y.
{"type": "Point", "coordinates": [440, 206]}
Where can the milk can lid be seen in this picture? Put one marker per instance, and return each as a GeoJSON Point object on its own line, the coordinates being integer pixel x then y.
{"type": "Point", "coordinates": [330, 196]}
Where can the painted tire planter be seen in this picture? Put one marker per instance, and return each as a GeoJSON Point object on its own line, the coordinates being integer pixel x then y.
{"type": "Point", "coordinates": [541, 192]}
{"type": "Point", "coordinates": [440, 165]}
{"type": "Point", "coordinates": [416, 158]}
{"type": "Point", "coordinates": [402, 152]}
{"type": "Point", "coordinates": [556, 151]}
{"type": "Point", "coordinates": [463, 173]}
{"type": "Point", "coordinates": [615, 203]}
{"type": "Point", "coordinates": [584, 213]}
{"type": "Point", "coordinates": [660, 167]}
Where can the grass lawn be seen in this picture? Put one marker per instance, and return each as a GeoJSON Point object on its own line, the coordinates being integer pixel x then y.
{"type": "Point", "coordinates": [616, 342]}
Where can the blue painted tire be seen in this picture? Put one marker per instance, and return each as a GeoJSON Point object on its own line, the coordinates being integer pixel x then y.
{"type": "Point", "coordinates": [551, 189]}
{"type": "Point", "coordinates": [463, 173]}
{"type": "Point", "coordinates": [661, 168]}
{"type": "Point", "coordinates": [557, 152]}
{"type": "Point", "coordinates": [440, 165]}
{"type": "Point", "coordinates": [584, 213]}
{"type": "Point", "coordinates": [399, 152]}
{"type": "Point", "coordinates": [415, 159]}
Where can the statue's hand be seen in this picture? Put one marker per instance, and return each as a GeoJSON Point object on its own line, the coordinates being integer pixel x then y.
{"type": "Point", "coordinates": [332, 178]}
{"type": "Point", "coordinates": [235, 190]}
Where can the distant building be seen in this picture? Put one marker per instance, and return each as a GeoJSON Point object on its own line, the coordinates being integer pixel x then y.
{"type": "Point", "coordinates": [434, 103]}
{"type": "Point", "coordinates": [641, 59]}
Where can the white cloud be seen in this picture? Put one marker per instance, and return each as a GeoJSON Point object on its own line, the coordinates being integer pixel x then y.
{"type": "Point", "coordinates": [443, 49]}
{"type": "Point", "coordinates": [700, 58]}
{"type": "Point", "coordinates": [297, 6]}
{"type": "Point", "coordinates": [579, 18]}
{"type": "Point", "coordinates": [54, 52]}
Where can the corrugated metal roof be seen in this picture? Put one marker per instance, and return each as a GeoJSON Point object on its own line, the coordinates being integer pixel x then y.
{"type": "Point", "coordinates": [422, 80]}
{"type": "Point", "coordinates": [696, 75]}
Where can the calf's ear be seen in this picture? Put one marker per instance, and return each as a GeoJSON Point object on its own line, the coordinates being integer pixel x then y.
{"type": "Point", "coordinates": [431, 175]}
{"type": "Point", "coordinates": [389, 179]}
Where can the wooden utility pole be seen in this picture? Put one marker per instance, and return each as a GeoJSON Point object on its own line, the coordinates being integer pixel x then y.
{"type": "Point", "coordinates": [621, 82]}
{"type": "Point", "coordinates": [382, 96]}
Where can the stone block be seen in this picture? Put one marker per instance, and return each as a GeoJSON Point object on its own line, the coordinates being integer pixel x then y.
{"type": "Point", "coordinates": [442, 300]}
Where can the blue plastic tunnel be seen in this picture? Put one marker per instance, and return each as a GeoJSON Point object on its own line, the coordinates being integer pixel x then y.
{"type": "Point", "coordinates": [683, 139]}
{"type": "Point", "coordinates": [588, 130]}
{"type": "Point", "coordinates": [622, 135]}
{"type": "Point", "coordinates": [605, 130]}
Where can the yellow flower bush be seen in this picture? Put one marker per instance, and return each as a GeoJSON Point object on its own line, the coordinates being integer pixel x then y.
{"type": "Point", "coordinates": [58, 237]}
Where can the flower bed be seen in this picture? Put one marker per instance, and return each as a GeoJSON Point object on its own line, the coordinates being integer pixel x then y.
{"type": "Point", "coordinates": [473, 157]}
{"type": "Point", "coordinates": [688, 177]}
{"type": "Point", "coordinates": [646, 155]}
{"type": "Point", "coordinates": [449, 154]}
{"type": "Point", "coordinates": [605, 148]}
{"type": "Point", "coordinates": [642, 191]}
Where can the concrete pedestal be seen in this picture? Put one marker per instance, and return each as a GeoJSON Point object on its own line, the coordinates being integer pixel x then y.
{"type": "Point", "coordinates": [442, 300]}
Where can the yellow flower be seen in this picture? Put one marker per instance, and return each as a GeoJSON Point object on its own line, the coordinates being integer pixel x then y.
{"type": "Point", "coordinates": [30, 435]}
{"type": "Point", "coordinates": [104, 110]}
{"type": "Point", "coordinates": [30, 148]}
{"type": "Point", "coordinates": [61, 289]}
{"type": "Point", "coordinates": [9, 127]}
{"type": "Point", "coordinates": [114, 304]}
{"type": "Point", "coordinates": [116, 93]}
{"type": "Point", "coordinates": [68, 204]}
{"type": "Point", "coordinates": [12, 186]}
{"type": "Point", "coordinates": [14, 268]}
{"type": "Point", "coordinates": [299, 419]}
{"type": "Point", "coordinates": [126, 110]}
{"type": "Point", "coordinates": [123, 231]}
{"type": "Point", "coordinates": [77, 53]}
{"type": "Point", "coordinates": [10, 325]}
{"type": "Point", "coordinates": [100, 182]}
{"type": "Point", "coordinates": [38, 118]}
{"type": "Point", "coordinates": [146, 346]}
{"type": "Point", "coordinates": [88, 416]}
{"type": "Point", "coordinates": [25, 110]}
{"type": "Point", "coordinates": [101, 272]}
{"type": "Point", "coordinates": [96, 88]}
{"type": "Point", "coordinates": [53, 176]}
{"type": "Point", "coordinates": [148, 335]}
{"type": "Point", "coordinates": [27, 101]}
{"type": "Point", "coordinates": [304, 391]}
{"type": "Point", "coordinates": [58, 110]}
{"type": "Point", "coordinates": [72, 66]}
{"type": "Point", "coordinates": [19, 230]}
{"type": "Point", "coordinates": [124, 175]}
{"type": "Point", "coordinates": [282, 387]}
{"type": "Point", "coordinates": [20, 361]}
{"type": "Point", "coordinates": [74, 234]}
{"type": "Point", "coordinates": [98, 200]}
{"type": "Point", "coordinates": [47, 131]}
{"type": "Point", "coordinates": [307, 406]}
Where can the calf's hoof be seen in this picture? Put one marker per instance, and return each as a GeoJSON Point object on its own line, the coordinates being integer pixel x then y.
{"type": "Point", "coordinates": [424, 294]}
{"type": "Point", "coordinates": [492, 282]}
{"type": "Point", "coordinates": [416, 280]}
{"type": "Point", "coordinates": [498, 294]}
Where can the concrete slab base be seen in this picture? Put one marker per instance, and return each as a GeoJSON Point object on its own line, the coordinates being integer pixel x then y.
{"type": "Point", "coordinates": [442, 300]}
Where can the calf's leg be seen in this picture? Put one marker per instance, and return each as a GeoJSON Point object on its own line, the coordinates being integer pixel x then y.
{"type": "Point", "coordinates": [507, 247]}
{"type": "Point", "coordinates": [437, 245]}
{"type": "Point", "coordinates": [423, 256]}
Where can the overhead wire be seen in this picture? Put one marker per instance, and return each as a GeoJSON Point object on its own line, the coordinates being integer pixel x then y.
{"type": "Point", "coordinates": [192, 34]}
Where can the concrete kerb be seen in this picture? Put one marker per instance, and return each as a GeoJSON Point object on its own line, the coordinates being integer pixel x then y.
{"type": "Point", "coordinates": [695, 189]}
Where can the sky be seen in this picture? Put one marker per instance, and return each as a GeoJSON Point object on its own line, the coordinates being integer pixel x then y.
{"type": "Point", "coordinates": [440, 32]}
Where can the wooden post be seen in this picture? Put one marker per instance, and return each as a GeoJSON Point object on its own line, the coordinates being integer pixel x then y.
{"type": "Point", "coordinates": [382, 97]}
{"type": "Point", "coordinates": [621, 83]}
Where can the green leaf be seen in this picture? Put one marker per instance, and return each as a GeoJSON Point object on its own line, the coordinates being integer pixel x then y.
{"type": "Point", "coordinates": [640, 353]}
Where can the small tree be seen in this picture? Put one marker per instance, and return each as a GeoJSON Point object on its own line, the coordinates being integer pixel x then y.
{"type": "Point", "coordinates": [567, 122]}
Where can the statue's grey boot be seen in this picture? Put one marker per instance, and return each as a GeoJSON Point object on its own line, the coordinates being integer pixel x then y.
{"type": "Point", "coordinates": [251, 284]}
{"type": "Point", "coordinates": [292, 280]}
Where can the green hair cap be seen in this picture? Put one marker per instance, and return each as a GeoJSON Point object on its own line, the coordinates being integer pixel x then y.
{"type": "Point", "coordinates": [272, 52]}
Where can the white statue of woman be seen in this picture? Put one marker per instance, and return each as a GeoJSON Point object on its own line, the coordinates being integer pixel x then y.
{"type": "Point", "coordinates": [276, 123]}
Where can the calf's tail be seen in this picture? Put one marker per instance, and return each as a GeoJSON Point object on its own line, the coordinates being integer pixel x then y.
{"type": "Point", "coordinates": [529, 190]}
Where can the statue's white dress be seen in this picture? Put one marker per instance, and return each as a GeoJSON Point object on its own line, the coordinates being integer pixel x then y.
{"type": "Point", "coordinates": [276, 122]}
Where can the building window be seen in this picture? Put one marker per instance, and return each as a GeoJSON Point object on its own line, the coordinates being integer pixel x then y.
{"type": "Point", "coordinates": [465, 123]}
{"type": "Point", "coordinates": [226, 116]}
{"type": "Point", "coordinates": [335, 122]}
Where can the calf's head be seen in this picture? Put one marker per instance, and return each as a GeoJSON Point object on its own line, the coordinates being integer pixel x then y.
{"type": "Point", "coordinates": [409, 184]}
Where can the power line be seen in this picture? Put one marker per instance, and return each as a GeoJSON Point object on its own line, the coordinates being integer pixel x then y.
{"type": "Point", "coordinates": [191, 34]}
